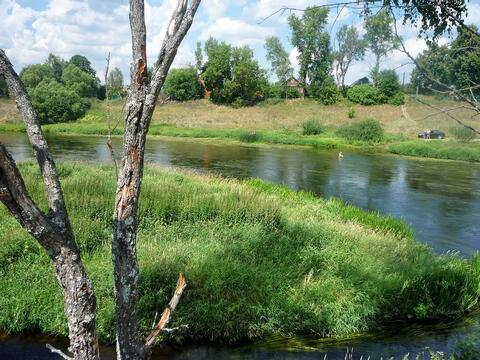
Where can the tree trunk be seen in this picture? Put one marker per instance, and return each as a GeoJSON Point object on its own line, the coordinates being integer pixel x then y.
{"type": "Point", "coordinates": [140, 106]}
{"type": "Point", "coordinates": [53, 230]}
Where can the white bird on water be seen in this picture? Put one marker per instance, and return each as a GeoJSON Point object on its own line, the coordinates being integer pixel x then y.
{"type": "Point", "coordinates": [340, 155]}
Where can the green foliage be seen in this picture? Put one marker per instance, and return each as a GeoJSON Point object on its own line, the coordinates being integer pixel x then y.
{"type": "Point", "coordinates": [232, 75]}
{"type": "Point", "coordinates": [32, 75]}
{"type": "Point", "coordinates": [388, 83]}
{"type": "Point", "coordinates": [259, 259]}
{"type": "Point", "coordinates": [379, 36]}
{"type": "Point", "coordinates": [310, 37]}
{"type": "Point", "coordinates": [368, 130]}
{"type": "Point", "coordinates": [83, 64]}
{"type": "Point", "coordinates": [463, 133]}
{"type": "Point", "coordinates": [467, 349]}
{"type": "Point", "coordinates": [312, 126]}
{"type": "Point", "coordinates": [365, 94]}
{"type": "Point", "coordinates": [55, 103]}
{"type": "Point", "coordinates": [438, 150]}
{"type": "Point", "coordinates": [351, 112]}
{"type": "Point", "coordinates": [351, 48]}
{"type": "Point", "coordinates": [249, 136]}
{"type": "Point", "coordinates": [397, 99]}
{"type": "Point", "coordinates": [115, 84]}
{"type": "Point", "coordinates": [183, 85]}
{"type": "Point", "coordinates": [279, 59]}
{"type": "Point", "coordinates": [326, 92]}
{"type": "Point", "coordinates": [57, 64]}
{"type": "Point", "coordinates": [79, 81]}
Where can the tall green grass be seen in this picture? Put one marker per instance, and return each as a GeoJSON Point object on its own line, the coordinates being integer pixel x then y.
{"type": "Point", "coordinates": [259, 259]}
{"type": "Point", "coordinates": [438, 150]}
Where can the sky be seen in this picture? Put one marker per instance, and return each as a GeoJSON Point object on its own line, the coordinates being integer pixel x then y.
{"type": "Point", "coordinates": [31, 29]}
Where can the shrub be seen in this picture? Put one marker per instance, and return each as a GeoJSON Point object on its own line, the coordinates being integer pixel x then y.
{"type": "Point", "coordinates": [328, 92]}
{"type": "Point", "coordinates": [56, 103]}
{"type": "Point", "coordinates": [79, 81]}
{"type": "Point", "coordinates": [365, 94]}
{"type": "Point", "coordinates": [249, 137]}
{"type": "Point", "coordinates": [32, 75]}
{"type": "Point", "coordinates": [351, 112]}
{"type": "Point", "coordinates": [368, 130]}
{"type": "Point", "coordinates": [183, 85]}
{"type": "Point", "coordinates": [397, 99]}
{"type": "Point", "coordinates": [463, 134]}
{"type": "Point", "coordinates": [387, 82]}
{"type": "Point", "coordinates": [312, 127]}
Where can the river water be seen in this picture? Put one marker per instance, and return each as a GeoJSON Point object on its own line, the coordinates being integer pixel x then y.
{"type": "Point", "coordinates": [439, 199]}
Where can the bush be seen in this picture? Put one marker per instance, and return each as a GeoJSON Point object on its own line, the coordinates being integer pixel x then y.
{"type": "Point", "coordinates": [183, 85]}
{"type": "Point", "coordinates": [351, 112]}
{"type": "Point", "coordinates": [249, 137]}
{"type": "Point", "coordinates": [365, 94]}
{"type": "Point", "coordinates": [387, 82]}
{"type": "Point", "coordinates": [312, 127]}
{"type": "Point", "coordinates": [397, 99]}
{"type": "Point", "coordinates": [56, 103]}
{"type": "Point", "coordinates": [328, 93]}
{"type": "Point", "coordinates": [79, 81]}
{"type": "Point", "coordinates": [32, 75]}
{"type": "Point", "coordinates": [463, 134]}
{"type": "Point", "coordinates": [368, 130]}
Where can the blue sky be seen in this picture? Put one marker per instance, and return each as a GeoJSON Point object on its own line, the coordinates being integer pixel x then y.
{"type": "Point", "coordinates": [31, 29]}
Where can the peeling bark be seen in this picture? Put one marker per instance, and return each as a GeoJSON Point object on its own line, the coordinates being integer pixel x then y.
{"type": "Point", "coordinates": [141, 103]}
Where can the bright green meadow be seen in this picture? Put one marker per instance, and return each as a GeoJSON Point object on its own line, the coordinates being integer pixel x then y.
{"type": "Point", "coordinates": [259, 259]}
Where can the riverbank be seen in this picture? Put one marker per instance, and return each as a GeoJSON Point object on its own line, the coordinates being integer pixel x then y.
{"type": "Point", "coordinates": [279, 123]}
{"type": "Point", "coordinates": [260, 259]}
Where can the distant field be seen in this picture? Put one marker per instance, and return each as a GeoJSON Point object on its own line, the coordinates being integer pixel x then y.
{"type": "Point", "coordinates": [405, 120]}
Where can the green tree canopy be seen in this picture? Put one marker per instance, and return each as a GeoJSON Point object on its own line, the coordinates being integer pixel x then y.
{"type": "Point", "coordinates": [55, 103]}
{"type": "Point", "coordinates": [232, 75]}
{"type": "Point", "coordinates": [351, 47]}
{"type": "Point", "coordinates": [84, 84]}
{"type": "Point", "coordinates": [380, 36]}
{"type": "Point", "coordinates": [279, 59]}
{"type": "Point", "coordinates": [115, 83]}
{"type": "Point", "coordinates": [32, 75]}
{"type": "Point", "coordinates": [313, 43]}
{"type": "Point", "coordinates": [183, 85]}
{"type": "Point", "coordinates": [83, 63]}
{"type": "Point", "coordinates": [57, 64]}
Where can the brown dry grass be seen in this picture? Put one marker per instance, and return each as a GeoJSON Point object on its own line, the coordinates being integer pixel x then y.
{"type": "Point", "coordinates": [407, 120]}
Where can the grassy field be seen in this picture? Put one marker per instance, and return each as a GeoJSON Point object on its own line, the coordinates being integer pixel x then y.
{"type": "Point", "coordinates": [277, 123]}
{"type": "Point", "coordinates": [259, 259]}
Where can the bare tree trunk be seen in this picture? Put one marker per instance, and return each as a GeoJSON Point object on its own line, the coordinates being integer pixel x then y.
{"type": "Point", "coordinates": [53, 230]}
{"type": "Point", "coordinates": [140, 105]}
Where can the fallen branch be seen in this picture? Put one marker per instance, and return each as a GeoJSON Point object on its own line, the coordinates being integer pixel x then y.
{"type": "Point", "coordinates": [167, 313]}
{"type": "Point", "coordinates": [59, 352]}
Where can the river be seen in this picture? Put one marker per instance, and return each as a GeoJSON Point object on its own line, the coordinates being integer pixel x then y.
{"type": "Point", "coordinates": [439, 199]}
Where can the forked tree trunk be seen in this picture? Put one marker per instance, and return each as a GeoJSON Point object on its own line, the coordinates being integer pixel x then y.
{"type": "Point", "coordinates": [52, 230]}
{"type": "Point", "coordinates": [141, 103]}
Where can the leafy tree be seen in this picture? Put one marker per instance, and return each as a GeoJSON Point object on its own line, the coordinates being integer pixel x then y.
{"type": "Point", "coordinates": [57, 64]}
{"type": "Point", "coordinates": [183, 85]}
{"type": "Point", "coordinates": [115, 83]}
{"type": "Point", "coordinates": [380, 37]}
{"type": "Point", "coordinates": [232, 75]}
{"type": "Point", "coordinates": [278, 58]}
{"type": "Point", "coordinates": [55, 103]}
{"type": "Point", "coordinates": [83, 63]}
{"type": "Point", "coordinates": [84, 84]}
{"type": "Point", "coordinates": [351, 47]}
{"type": "Point", "coordinates": [437, 60]}
{"type": "Point", "coordinates": [388, 83]}
{"type": "Point", "coordinates": [313, 43]}
{"type": "Point", "coordinates": [465, 60]}
{"type": "Point", "coordinates": [32, 75]}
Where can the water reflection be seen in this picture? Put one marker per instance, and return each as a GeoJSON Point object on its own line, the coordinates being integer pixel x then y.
{"type": "Point", "coordinates": [439, 199]}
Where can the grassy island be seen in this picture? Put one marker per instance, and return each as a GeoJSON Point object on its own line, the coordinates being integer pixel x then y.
{"type": "Point", "coordinates": [259, 259]}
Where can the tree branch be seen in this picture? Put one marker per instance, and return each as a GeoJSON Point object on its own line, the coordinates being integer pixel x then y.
{"type": "Point", "coordinates": [37, 139]}
{"type": "Point", "coordinates": [59, 352]}
{"type": "Point", "coordinates": [168, 312]}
